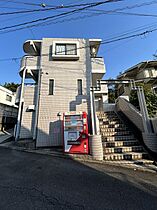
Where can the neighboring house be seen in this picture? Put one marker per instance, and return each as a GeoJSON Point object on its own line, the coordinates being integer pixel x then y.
{"type": "Point", "coordinates": [63, 71]}
{"type": "Point", "coordinates": [145, 72]}
{"type": "Point", "coordinates": [7, 97]}
{"type": "Point", "coordinates": [8, 109]}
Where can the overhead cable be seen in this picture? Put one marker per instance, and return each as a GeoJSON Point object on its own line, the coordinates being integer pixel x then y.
{"type": "Point", "coordinates": [102, 43]}
{"type": "Point", "coordinates": [59, 15]}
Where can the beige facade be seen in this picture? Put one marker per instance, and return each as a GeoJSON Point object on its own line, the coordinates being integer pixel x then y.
{"type": "Point", "coordinates": [70, 75]}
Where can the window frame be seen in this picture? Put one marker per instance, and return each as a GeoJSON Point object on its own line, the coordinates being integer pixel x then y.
{"type": "Point", "coordinates": [8, 98]}
{"type": "Point", "coordinates": [53, 87]}
{"type": "Point", "coordinates": [65, 56]}
{"type": "Point", "coordinates": [80, 88]}
{"type": "Point", "coordinates": [66, 50]}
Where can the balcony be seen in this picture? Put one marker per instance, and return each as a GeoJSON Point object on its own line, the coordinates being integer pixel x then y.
{"type": "Point", "coordinates": [98, 69]}
{"type": "Point", "coordinates": [32, 64]}
{"type": "Point", "coordinates": [32, 47]}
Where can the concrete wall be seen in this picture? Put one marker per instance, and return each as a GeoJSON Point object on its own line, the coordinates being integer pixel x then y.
{"type": "Point", "coordinates": [28, 116]}
{"type": "Point", "coordinates": [108, 107]}
{"type": "Point", "coordinates": [131, 112]}
{"type": "Point", "coordinates": [65, 98]}
{"type": "Point", "coordinates": [149, 139]}
{"type": "Point", "coordinates": [154, 124]}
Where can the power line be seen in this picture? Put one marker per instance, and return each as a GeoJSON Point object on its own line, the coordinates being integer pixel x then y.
{"type": "Point", "coordinates": [86, 16]}
{"type": "Point", "coordinates": [52, 22]}
{"type": "Point", "coordinates": [102, 43]}
{"type": "Point", "coordinates": [90, 15]}
{"type": "Point", "coordinates": [59, 15]}
{"type": "Point", "coordinates": [128, 7]}
{"type": "Point", "coordinates": [25, 3]}
{"type": "Point", "coordinates": [131, 36]}
{"type": "Point", "coordinates": [78, 5]}
{"type": "Point", "coordinates": [76, 18]}
{"type": "Point", "coordinates": [47, 9]}
{"type": "Point", "coordinates": [11, 59]}
{"type": "Point", "coordinates": [136, 14]}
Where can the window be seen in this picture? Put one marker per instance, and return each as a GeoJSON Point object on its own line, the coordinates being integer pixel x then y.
{"type": "Point", "coordinates": [8, 98]}
{"type": "Point", "coordinates": [79, 85]}
{"type": "Point", "coordinates": [51, 87]}
{"type": "Point", "coordinates": [66, 49]}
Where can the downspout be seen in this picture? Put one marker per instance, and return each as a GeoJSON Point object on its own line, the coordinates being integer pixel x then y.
{"type": "Point", "coordinates": [37, 106]}
{"type": "Point", "coordinates": [92, 113]}
{"type": "Point", "coordinates": [18, 126]}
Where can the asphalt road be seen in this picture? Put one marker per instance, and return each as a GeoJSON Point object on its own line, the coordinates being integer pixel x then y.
{"type": "Point", "coordinates": [32, 181]}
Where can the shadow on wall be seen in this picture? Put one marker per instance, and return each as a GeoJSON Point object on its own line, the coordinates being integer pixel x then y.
{"type": "Point", "coordinates": [56, 132]}
{"type": "Point", "coordinates": [28, 116]}
{"type": "Point", "coordinates": [53, 137]}
{"type": "Point", "coordinates": [80, 99]}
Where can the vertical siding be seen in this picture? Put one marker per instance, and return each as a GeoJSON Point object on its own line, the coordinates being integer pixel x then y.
{"type": "Point", "coordinates": [65, 98]}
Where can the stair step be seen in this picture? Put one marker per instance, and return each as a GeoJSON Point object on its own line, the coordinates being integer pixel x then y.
{"type": "Point", "coordinates": [119, 133]}
{"type": "Point", "coordinates": [117, 138]}
{"type": "Point", "coordinates": [106, 113]}
{"type": "Point", "coordinates": [120, 143]}
{"type": "Point", "coordinates": [113, 129]}
{"type": "Point", "coordinates": [109, 119]}
{"type": "Point", "coordinates": [123, 149]}
{"type": "Point", "coordinates": [107, 122]}
{"type": "Point", "coordinates": [126, 156]}
{"type": "Point", "coordinates": [118, 125]}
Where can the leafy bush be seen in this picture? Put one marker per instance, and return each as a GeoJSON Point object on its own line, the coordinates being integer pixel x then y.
{"type": "Point", "coordinates": [151, 99]}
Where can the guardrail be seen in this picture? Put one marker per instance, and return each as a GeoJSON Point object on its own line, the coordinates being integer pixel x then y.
{"type": "Point", "coordinates": [149, 138]}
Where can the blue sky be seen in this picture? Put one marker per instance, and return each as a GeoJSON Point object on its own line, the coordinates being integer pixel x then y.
{"type": "Point", "coordinates": [118, 56]}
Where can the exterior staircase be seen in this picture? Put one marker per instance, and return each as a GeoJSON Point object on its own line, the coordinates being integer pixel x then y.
{"type": "Point", "coordinates": [118, 141]}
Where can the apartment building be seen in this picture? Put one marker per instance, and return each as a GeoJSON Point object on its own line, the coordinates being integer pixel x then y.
{"type": "Point", "coordinates": [63, 71]}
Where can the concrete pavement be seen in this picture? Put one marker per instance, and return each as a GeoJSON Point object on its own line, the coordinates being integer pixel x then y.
{"type": "Point", "coordinates": [136, 165]}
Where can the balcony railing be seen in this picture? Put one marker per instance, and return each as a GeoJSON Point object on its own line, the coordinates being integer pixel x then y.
{"type": "Point", "coordinates": [30, 62]}
{"type": "Point", "coordinates": [98, 66]}
{"type": "Point", "coordinates": [32, 65]}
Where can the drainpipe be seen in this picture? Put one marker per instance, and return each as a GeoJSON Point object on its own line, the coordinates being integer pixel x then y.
{"type": "Point", "coordinates": [37, 105]}
{"type": "Point", "coordinates": [18, 126]}
{"type": "Point", "coordinates": [93, 113]}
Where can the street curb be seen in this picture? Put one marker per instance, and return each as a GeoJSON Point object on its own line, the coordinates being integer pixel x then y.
{"type": "Point", "coordinates": [85, 160]}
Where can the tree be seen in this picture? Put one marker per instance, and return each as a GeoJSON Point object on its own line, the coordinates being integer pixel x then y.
{"type": "Point", "coordinates": [11, 86]}
{"type": "Point", "coordinates": [151, 99]}
{"type": "Point", "coordinates": [111, 93]}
